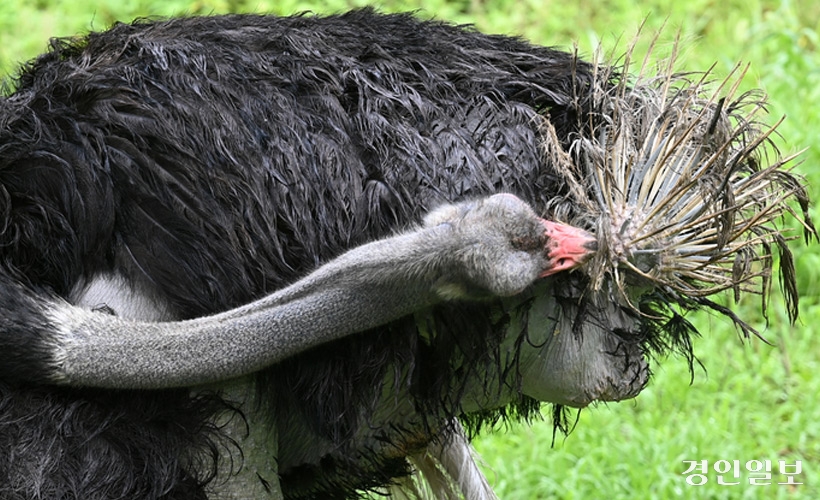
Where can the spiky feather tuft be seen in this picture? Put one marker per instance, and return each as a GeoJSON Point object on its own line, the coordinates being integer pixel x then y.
{"type": "Point", "coordinates": [679, 179]}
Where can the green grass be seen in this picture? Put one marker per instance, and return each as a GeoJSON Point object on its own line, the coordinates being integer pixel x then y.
{"type": "Point", "coordinates": [756, 401]}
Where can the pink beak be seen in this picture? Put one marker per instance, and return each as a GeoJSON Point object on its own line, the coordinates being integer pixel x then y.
{"type": "Point", "coordinates": [567, 247]}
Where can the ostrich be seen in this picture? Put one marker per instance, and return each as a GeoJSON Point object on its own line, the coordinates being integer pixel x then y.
{"type": "Point", "coordinates": [261, 257]}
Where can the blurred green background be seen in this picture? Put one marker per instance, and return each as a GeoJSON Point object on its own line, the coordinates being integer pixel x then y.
{"type": "Point", "coordinates": [753, 401]}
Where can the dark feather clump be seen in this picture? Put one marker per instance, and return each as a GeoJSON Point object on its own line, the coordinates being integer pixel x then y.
{"type": "Point", "coordinates": [65, 443]}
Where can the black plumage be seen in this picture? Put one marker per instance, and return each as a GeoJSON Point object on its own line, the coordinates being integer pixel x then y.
{"type": "Point", "coordinates": [213, 160]}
